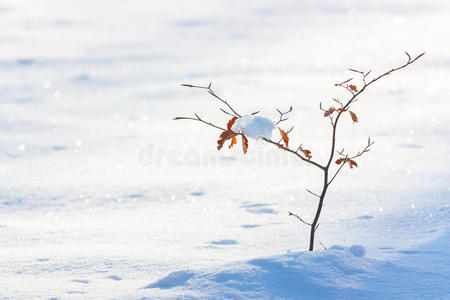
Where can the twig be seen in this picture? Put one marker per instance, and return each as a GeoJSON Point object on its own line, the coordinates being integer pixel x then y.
{"type": "Point", "coordinates": [224, 111]}
{"type": "Point", "coordinates": [312, 193]}
{"type": "Point", "coordinates": [211, 92]}
{"type": "Point", "coordinates": [293, 152]}
{"type": "Point", "coordinates": [339, 102]}
{"type": "Point", "coordinates": [323, 246]}
{"type": "Point", "coordinates": [200, 120]}
{"type": "Point", "coordinates": [337, 172]}
{"type": "Point", "coordinates": [347, 158]}
{"type": "Point", "coordinates": [282, 114]}
{"type": "Point", "coordinates": [285, 134]}
{"type": "Point", "coordinates": [299, 218]}
{"type": "Point", "coordinates": [326, 112]}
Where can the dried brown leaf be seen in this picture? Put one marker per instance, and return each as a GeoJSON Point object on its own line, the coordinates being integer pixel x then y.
{"type": "Point", "coordinates": [329, 112]}
{"type": "Point", "coordinates": [285, 137]}
{"type": "Point", "coordinates": [352, 164]}
{"type": "Point", "coordinates": [353, 88]}
{"type": "Point", "coordinates": [231, 122]}
{"type": "Point", "coordinates": [340, 160]}
{"type": "Point", "coordinates": [354, 117]}
{"type": "Point", "coordinates": [225, 135]}
{"type": "Point", "coordinates": [233, 142]}
{"type": "Point", "coordinates": [244, 144]}
{"type": "Point", "coordinates": [306, 152]}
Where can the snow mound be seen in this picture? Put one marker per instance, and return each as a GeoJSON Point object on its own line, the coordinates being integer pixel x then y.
{"type": "Point", "coordinates": [172, 280]}
{"type": "Point", "coordinates": [339, 273]}
{"type": "Point", "coordinates": [356, 250]}
{"type": "Point", "coordinates": [255, 127]}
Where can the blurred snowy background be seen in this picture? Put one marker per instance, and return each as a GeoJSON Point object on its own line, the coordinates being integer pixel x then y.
{"type": "Point", "coordinates": [101, 193]}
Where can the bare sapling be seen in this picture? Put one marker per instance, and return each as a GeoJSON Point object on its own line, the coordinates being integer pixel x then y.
{"type": "Point", "coordinates": [336, 160]}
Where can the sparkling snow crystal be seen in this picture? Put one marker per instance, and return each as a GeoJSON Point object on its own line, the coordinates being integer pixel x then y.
{"type": "Point", "coordinates": [255, 127]}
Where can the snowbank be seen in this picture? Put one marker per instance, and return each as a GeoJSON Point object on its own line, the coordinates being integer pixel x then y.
{"type": "Point", "coordinates": [339, 273]}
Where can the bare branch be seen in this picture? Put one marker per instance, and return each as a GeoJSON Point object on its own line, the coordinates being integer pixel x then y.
{"type": "Point", "coordinates": [211, 92]}
{"type": "Point", "coordinates": [299, 218]}
{"type": "Point", "coordinates": [410, 61]}
{"type": "Point", "coordinates": [360, 72]}
{"type": "Point", "coordinates": [200, 120]}
{"type": "Point", "coordinates": [343, 82]}
{"type": "Point", "coordinates": [293, 152]}
{"type": "Point", "coordinates": [323, 245]}
{"type": "Point", "coordinates": [282, 114]}
{"type": "Point", "coordinates": [339, 102]}
{"type": "Point", "coordinates": [366, 149]}
{"type": "Point", "coordinates": [409, 56]}
{"type": "Point", "coordinates": [224, 111]}
{"type": "Point", "coordinates": [315, 229]}
{"type": "Point", "coordinates": [337, 172]}
{"type": "Point", "coordinates": [312, 193]}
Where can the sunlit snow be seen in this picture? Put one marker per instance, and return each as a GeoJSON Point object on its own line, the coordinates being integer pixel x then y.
{"type": "Point", "coordinates": [104, 196]}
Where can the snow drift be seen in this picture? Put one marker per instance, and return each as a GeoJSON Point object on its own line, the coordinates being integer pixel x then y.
{"type": "Point", "coordinates": [339, 273]}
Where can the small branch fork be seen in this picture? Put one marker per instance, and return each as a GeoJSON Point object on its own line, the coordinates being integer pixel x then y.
{"type": "Point", "coordinates": [348, 158]}
{"type": "Point", "coordinates": [283, 115]}
{"type": "Point", "coordinates": [334, 119]}
{"type": "Point", "coordinates": [327, 113]}
{"type": "Point", "coordinates": [211, 92]}
{"type": "Point", "coordinates": [281, 146]}
{"type": "Point", "coordinates": [197, 118]}
{"type": "Point", "coordinates": [299, 218]}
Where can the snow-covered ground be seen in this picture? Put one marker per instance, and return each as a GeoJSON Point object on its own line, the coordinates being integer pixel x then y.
{"type": "Point", "coordinates": [103, 196]}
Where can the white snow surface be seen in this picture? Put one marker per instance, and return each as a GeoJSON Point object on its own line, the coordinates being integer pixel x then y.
{"type": "Point", "coordinates": [254, 127]}
{"type": "Point", "coordinates": [104, 196]}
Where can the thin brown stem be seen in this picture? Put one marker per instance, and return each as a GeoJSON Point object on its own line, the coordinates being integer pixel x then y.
{"type": "Point", "coordinates": [282, 115]}
{"type": "Point", "coordinates": [200, 120]}
{"type": "Point", "coordinates": [293, 152]}
{"type": "Point", "coordinates": [227, 113]}
{"type": "Point", "coordinates": [323, 245]}
{"type": "Point", "coordinates": [314, 194]}
{"type": "Point", "coordinates": [211, 92]}
{"type": "Point", "coordinates": [299, 218]}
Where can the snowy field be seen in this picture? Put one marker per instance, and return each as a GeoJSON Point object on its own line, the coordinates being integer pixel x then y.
{"type": "Point", "coordinates": [103, 196]}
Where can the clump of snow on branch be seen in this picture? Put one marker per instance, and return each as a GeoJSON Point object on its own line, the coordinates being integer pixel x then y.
{"type": "Point", "coordinates": [255, 127]}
